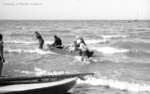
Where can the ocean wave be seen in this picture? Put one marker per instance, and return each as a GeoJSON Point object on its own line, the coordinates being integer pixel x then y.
{"type": "Point", "coordinates": [94, 81]}
{"type": "Point", "coordinates": [97, 41]}
{"type": "Point", "coordinates": [38, 51]}
{"type": "Point", "coordinates": [39, 72]}
{"type": "Point", "coordinates": [50, 42]}
{"type": "Point", "coordinates": [113, 36]}
{"type": "Point", "coordinates": [121, 85]}
{"type": "Point", "coordinates": [88, 61]}
{"type": "Point", "coordinates": [137, 40]}
{"type": "Point", "coordinates": [21, 42]}
{"type": "Point", "coordinates": [26, 42]}
{"type": "Point", "coordinates": [109, 50]}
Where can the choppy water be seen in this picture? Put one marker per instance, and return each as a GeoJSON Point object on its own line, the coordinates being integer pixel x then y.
{"type": "Point", "coordinates": [122, 53]}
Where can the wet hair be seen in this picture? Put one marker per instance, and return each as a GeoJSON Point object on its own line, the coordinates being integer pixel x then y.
{"type": "Point", "coordinates": [1, 37]}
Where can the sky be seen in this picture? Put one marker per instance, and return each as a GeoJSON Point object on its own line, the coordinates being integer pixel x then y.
{"type": "Point", "coordinates": [75, 9]}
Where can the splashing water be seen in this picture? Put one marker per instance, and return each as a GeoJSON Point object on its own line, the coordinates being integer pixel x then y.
{"type": "Point", "coordinates": [122, 85]}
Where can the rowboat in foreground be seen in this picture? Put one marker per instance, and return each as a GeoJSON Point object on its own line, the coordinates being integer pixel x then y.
{"type": "Point", "coordinates": [56, 87]}
{"type": "Point", "coordinates": [53, 84]}
{"type": "Point", "coordinates": [65, 51]}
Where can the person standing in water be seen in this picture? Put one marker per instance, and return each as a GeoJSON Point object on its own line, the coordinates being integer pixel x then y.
{"type": "Point", "coordinates": [83, 51]}
{"type": "Point", "coordinates": [57, 42]}
{"type": "Point", "coordinates": [41, 40]}
{"type": "Point", "coordinates": [2, 60]}
{"type": "Point", "coordinates": [82, 47]}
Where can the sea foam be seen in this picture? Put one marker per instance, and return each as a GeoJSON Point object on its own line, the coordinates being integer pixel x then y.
{"type": "Point", "coordinates": [113, 36]}
{"type": "Point", "coordinates": [37, 51]}
{"type": "Point", "coordinates": [26, 42]}
{"type": "Point", "coordinates": [20, 42]}
{"type": "Point", "coordinates": [109, 50]}
{"type": "Point", "coordinates": [96, 41]}
{"type": "Point", "coordinates": [39, 72]}
{"type": "Point", "coordinates": [121, 85]}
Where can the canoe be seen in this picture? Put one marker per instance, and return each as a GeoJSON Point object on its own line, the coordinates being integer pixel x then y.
{"type": "Point", "coordinates": [53, 84]}
{"type": "Point", "coordinates": [64, 51]}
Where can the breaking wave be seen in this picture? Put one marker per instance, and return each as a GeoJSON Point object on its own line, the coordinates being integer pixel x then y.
{"type": "Point", "coordinates": [21, 42]}
{"type": "Point", "coordinates": [94, 81]}
{"type": "Point", "coordinates": [113, 36]}
{"type": "Point", "coordinates": [109, 50]}
{"type": "Point", "coordinates": [38, 72]}
{"type": "Point", "coordinates": [26, 42]}
{"type": "Point", "coordinates": [50, 42]}
{"type": "Point", "coordinates": [121, 85]}
{"type": "Point", "coordinates": [37, 51]}
{"type": "Point", "coordinates": [96, 41]}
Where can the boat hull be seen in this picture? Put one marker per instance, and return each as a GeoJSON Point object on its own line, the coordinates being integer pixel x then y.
{"type": "Point", "coordinates": [65, 51]}
{"type": "Point", "coordinates": [48, 84]}
{"type": "Point", "coordinates": [56, 87]}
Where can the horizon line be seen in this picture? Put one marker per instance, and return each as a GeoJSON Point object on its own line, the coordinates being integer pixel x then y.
{"type": "Point", "coordinates": [78, 19]}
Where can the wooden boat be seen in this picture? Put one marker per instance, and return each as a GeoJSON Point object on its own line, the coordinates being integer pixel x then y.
{"type": "Point", "coordinates": [64, 50]}
{"type": "Point", "coordinates": [53, 84]}
{"type": "Point", "coordinates": [56, 87]}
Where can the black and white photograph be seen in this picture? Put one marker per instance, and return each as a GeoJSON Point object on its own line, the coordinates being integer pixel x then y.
{"type": "Point", "coordinates": [74, 46]}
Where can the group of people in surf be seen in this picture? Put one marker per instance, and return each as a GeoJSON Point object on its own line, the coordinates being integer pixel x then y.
{"type": "Point", "coordinates": [78, 45]}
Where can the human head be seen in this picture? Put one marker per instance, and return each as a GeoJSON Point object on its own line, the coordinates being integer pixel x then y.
{"type": "Point", "coordinates": [1, 37]}
{"type": "Point", "coordinates": [36, 32]}
{"type": "Point", "coordinates": [55, 36]}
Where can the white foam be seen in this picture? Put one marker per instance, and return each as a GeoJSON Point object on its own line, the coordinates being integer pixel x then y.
{"type": "Point", "coordinates": [26, 42]}
{"type": "Point", "coordinates": [48, 42]}
{"type": "Point", "coordinates": [109, 50]}
{"type": "Point", "coordinates": [96, 41]}
{"type": "Point", "coordinates": [25, 72]}
{"type": "Point", "coordinates": [21, 42]}
{"type": "Point", "coordinates": [122, 85]}
{"type": "Point", "coordinates": [38, 72]}
{"type": "Point", "coordinates": [38, 51]}
{"type": "Point", "coordinates": [78, 58]}
{"type": "Point", "coordinates": [113, 36]}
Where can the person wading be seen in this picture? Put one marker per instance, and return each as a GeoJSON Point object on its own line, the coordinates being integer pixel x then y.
{"type": "Point", "coordinates": [2, 60]}
{"type": "Point", "coordinates": [57, 42]}
{"type": "Point", "coordinates": [41, 40]}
